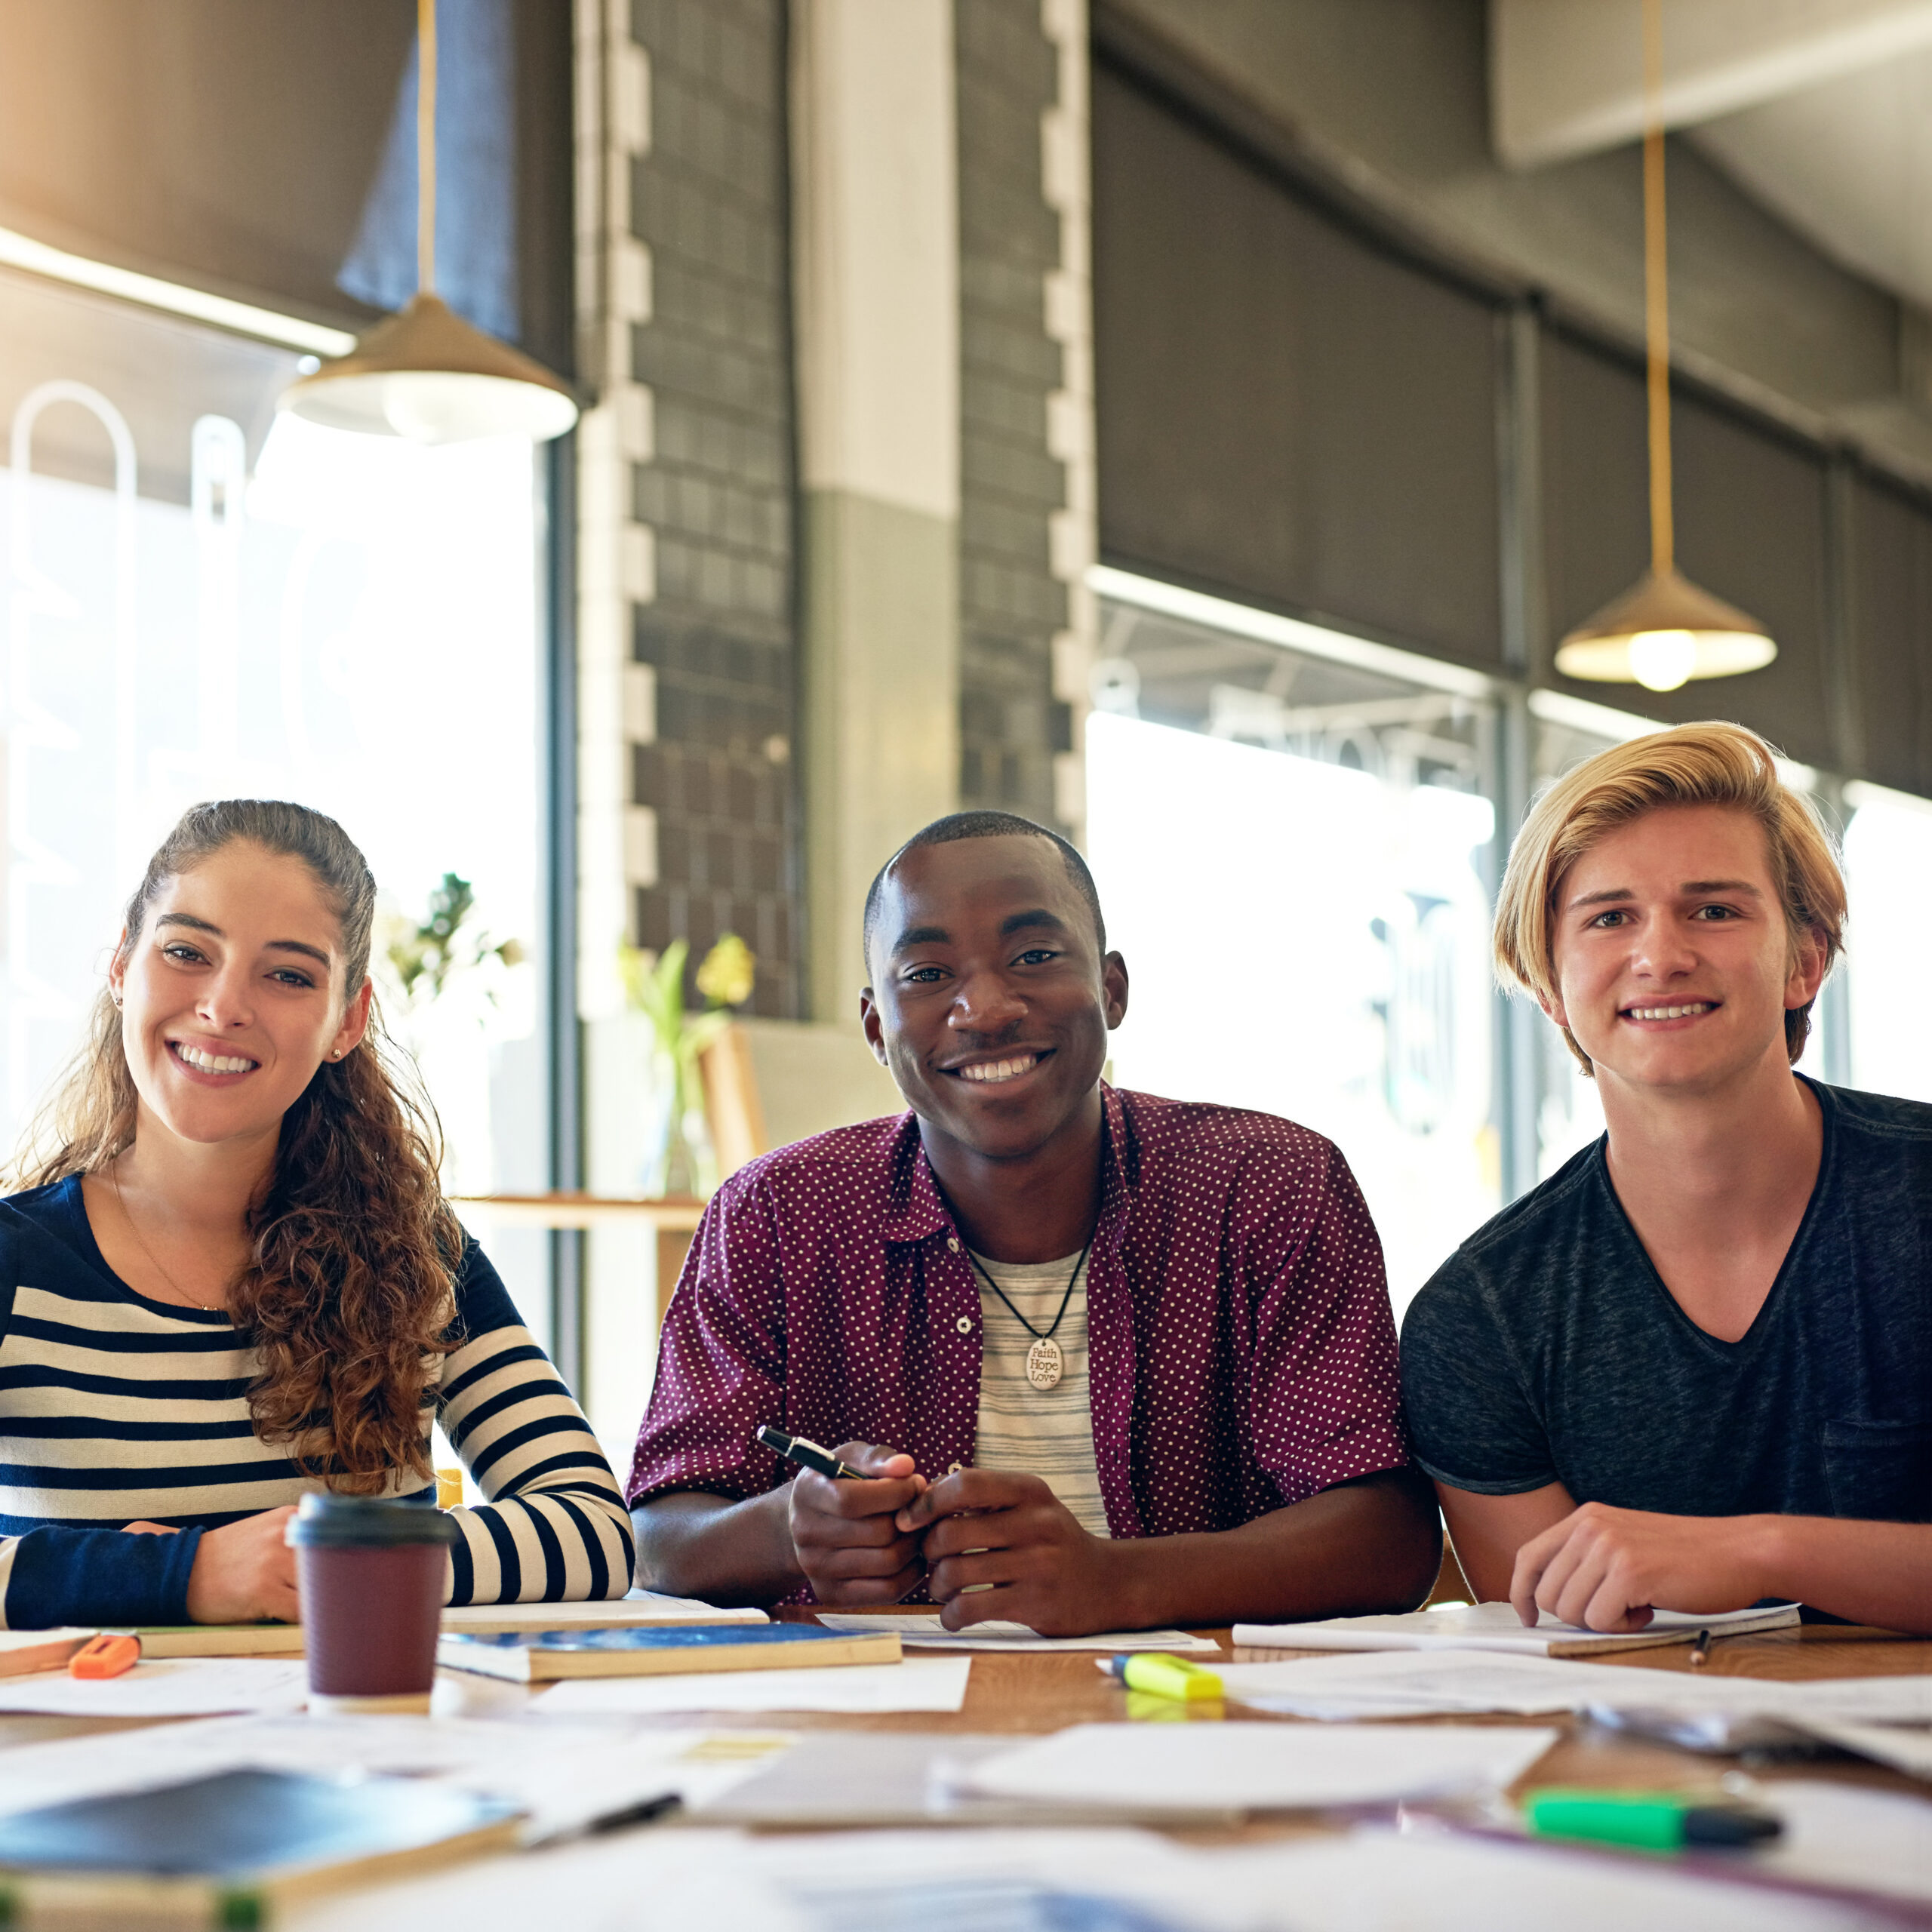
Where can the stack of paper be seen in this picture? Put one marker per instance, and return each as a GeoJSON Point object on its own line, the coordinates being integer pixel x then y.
{"type": "Point", "coordinates": [1405, 1683]}
{"type": "Point", "coordinates": [925, 1632]}
{"type": "Point", "coordinates": [1176, 1768]}
{"type": "Point", "coordinates": [1496, 1627]}
{"type": "Point", "coordinates": [840, 1779]}
{"type": "Point", "coordinates": [1701, 1710]}
{"type": "Point", "coordinates": [1105, 1880]}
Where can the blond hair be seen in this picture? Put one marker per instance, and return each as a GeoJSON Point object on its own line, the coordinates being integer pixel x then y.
{"type": "Point", "coordinates": [1713, 764]}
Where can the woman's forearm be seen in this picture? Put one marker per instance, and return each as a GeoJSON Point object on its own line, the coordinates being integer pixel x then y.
{"type": "Point", "coordinates": [97, 1576]}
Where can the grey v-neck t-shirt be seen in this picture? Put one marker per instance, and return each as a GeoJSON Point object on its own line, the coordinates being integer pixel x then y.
{"type": "Point", "coordinates": [1548, 1349]}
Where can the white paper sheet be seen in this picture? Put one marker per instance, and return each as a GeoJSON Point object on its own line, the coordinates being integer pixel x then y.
{"type": "Point", "coordinates": [1483, 1626]}
{"type": "Point", "coordinates": [826, 1881]}
{"type": "Point", "coordinates": [919, 1683]}
{"type": "Point", "coordinates": [1903, 1749]}
{"type": "Point", "coordinates": [168, 1687]}
{"type": "Point", "coordinates": [1259, 1767]}
{"type": "Point", "coordinates": [564, 1775]}
{"type": "Point", "coordinates": [1372, 1882]}
{"type": "Point", "coordinates": [1844, 1834]}
{"type": "Point", "coordinates": [1389, 1683]}
{"type": "Point", "coordinates": [13, 1641]}
{"type": "Point", "coordinates": [922, 1632]}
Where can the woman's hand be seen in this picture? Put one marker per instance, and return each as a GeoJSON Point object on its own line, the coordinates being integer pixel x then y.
{"type": "Point", "coordinates": [244, 1572]}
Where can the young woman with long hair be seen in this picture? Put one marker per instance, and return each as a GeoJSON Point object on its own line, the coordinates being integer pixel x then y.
{"type": "Point", "coordinates": [230, 1275]}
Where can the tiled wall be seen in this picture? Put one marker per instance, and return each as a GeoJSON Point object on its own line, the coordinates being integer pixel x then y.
{"type": "Point", "coordinates": [708, 200]}
{"type": "Point", "coordinates": [1012, 605]}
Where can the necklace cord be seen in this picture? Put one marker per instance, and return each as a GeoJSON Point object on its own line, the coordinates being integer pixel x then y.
{"type": "Point", "coordinates": [1064, 1299]}
{"type": "Point", "coordinates": [134, 1227]}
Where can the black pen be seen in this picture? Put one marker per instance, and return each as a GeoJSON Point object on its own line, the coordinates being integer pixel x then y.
{"type": "Point", "coordinates": [626, 1815]}
{"type": "Point", "coordinates": [642, 1811]}
{"type": "Point", "coordinates": [1700, 1651]}
{"type": "Point", "coordinates": [802, 1451]}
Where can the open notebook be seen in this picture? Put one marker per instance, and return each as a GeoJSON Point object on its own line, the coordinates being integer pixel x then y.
{"type": "Point", "coordinates": [1496, 1627]}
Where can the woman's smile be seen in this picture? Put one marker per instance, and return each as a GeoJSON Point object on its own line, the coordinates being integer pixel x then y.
{"type": "Point", "coordinates": [208, 1068]}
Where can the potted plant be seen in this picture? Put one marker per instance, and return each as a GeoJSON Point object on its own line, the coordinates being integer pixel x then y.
{"type": "Point", "coordinates": [680, 1157]}
{"type": "Point", "coordinates": [446, 972]}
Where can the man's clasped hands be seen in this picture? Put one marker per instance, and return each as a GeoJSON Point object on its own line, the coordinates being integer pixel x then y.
{"type": "Point", "coordinates": [986, 1543]}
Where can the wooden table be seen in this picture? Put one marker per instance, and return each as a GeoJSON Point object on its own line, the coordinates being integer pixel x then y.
{"type": "Point", "coordinates": [1035, 1692]}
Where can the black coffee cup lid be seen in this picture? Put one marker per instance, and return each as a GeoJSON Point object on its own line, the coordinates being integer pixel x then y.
{"type": "Point", "coordinates": [366, 1522]}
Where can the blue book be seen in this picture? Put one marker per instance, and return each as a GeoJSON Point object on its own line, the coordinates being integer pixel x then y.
{"type": "Point", "coordinates": [534, 1657]}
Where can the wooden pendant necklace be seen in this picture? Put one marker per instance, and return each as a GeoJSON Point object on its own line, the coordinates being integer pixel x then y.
{"type": "Point", "coordinates": [1046, 1362]}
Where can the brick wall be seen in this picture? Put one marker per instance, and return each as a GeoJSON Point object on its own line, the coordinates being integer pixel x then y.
{"type": "Point", "coordinates": [709, 201]}
{"type": "Point", "coordinates": [1011, 603]}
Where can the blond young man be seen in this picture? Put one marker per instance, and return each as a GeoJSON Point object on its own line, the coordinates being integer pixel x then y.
{"type": "Point", "coordinates": [1693, 1370]}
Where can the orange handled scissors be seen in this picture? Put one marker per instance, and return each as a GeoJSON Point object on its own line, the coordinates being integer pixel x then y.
{"type": "Point", "coordinates": [107, 1655]}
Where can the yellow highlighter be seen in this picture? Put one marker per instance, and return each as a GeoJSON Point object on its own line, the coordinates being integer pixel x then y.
{"type": "Point", "coordinates": [1161, 1674]}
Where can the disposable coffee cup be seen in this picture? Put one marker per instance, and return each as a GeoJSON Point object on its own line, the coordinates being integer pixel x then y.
{"type": "Point", "coordinates": [370, 1577]}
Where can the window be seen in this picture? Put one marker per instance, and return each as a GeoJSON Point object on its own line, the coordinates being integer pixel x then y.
{"type": "Point", "coordinates": [206, 600]}
{"type": "Point", "coordinates": [1888, 940]}
{"type": "Point", "coordinates": [1291, 847]}
{"type": "Point", "coordinates": [1295, 840]}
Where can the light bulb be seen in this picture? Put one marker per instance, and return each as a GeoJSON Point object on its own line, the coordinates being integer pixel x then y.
{"type": "Point", "coordinates": [1661, 660]}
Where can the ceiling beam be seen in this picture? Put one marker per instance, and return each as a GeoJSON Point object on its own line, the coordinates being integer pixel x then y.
{"type": "Point", "coordinates": [1566, 76]}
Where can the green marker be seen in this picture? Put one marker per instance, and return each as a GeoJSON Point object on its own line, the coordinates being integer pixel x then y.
{"type": "Point", "coordinates": [1656, 1820]}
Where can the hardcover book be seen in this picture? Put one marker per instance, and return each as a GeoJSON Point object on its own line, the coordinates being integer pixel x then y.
{"type": "Point", "coordinates": [537, 1657]}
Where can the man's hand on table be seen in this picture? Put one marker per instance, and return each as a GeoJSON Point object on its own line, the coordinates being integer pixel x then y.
{"type": "Point", "coordinates": [1605, 1567]}
{"type": "Point", "coordinates": [847, 1540]}
{"type": "Point", "coordinates": [987, 1527]}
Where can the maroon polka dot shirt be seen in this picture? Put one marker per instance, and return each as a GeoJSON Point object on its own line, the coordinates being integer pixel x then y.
{"type": "Point", "coordinates": [1242, 1354]}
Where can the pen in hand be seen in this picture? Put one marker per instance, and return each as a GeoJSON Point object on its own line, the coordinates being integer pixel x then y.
{"type": "Point", "coordinates": [807, 1454]}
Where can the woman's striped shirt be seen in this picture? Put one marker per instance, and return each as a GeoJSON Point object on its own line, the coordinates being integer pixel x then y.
{"type": "Point", "coordinates": [115, 1409]}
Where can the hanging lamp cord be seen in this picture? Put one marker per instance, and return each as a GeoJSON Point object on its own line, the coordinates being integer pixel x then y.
{"type": "Point", "coordinates": [1656, 295]}
{"type": "Point", "coordinates": [426, 146]}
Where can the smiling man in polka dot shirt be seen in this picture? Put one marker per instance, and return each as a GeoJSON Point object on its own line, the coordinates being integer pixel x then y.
{"type": "Point", "coordinates": [1106, 1362]}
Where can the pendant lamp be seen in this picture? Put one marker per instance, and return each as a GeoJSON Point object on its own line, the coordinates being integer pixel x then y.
{"type": "Point", "coordinates": [425, 374]}
{"type": "Point", "coordinates": [1664, 630]}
